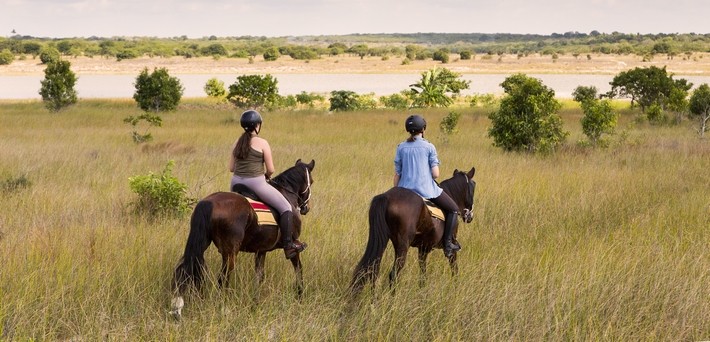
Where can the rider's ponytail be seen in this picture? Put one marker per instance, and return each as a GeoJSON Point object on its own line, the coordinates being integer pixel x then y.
{"type": "Point", "coordinates": [241, 150]}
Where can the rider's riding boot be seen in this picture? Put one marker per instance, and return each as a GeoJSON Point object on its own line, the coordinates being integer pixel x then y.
{"type": "Point", "coordinates": [291, 248]}
{"type": "Point", "coordinates": [449, 246]}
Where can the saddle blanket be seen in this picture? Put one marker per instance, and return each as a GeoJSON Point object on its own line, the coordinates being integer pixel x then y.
{"type": "Point", "coordinates": [263, 213]}
{"type": "Point", "coordinates": [434, 210]}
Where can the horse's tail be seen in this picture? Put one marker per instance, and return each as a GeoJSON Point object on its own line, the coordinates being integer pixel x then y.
{"type": "Point", "coordinates": [369, 266]}
{"type": "Point", "coordinates": [189, 270]}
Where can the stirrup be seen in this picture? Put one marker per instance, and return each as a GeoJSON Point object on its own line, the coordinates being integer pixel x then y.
{"type": "Point", "coordinates": [292, 249]}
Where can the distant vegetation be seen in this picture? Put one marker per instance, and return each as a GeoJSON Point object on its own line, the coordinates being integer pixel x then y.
{"type": "Point", "coordinates": [414, 46]}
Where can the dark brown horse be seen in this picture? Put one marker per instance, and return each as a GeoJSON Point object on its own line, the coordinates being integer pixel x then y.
{"type": "Point", "coordinates": [228, 220]}
{"type": "Point", "coordinates": [400, 215]}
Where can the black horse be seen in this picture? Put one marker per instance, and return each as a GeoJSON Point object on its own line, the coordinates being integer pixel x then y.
{"type": "Point", "coordinates": [229, 221]}
{"type": "Point", "coordinates": [400, 215]}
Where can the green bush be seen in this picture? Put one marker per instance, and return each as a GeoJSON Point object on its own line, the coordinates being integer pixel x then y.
{"type": "Point", "coordinates": [254, 91]}
{"type": "Point", "coordinates": [448, 125]}
{"type": "Point", "coordinates": [161, 194]}
{"type": "Point", "coordinates": [157, 91]}
{"type": "Point", "coordinates": [599, 118]}
{"type": "Point", "coordinates": [395, 101]}
{"type": "Point", "coordinates": [441, 55]}
{"type": "Point", "coordinates": [344, 100]}
{"type": "Point", "coordinates": [48, 55]}
{"type": "Point", "coordinates": [271, 54]}
{"type": "Point", "coordinates": [215, 88]}
{"type": "Point", "coordinates": [465, 55]}
{"type": "Point", "coordinates": [57, 88]}
{"type": "Point", "coordinates": [150, 119]}
{"type": "Point", "coordinates": [6, 57]}
{"type": "Point", "coordinates": [308, 99]}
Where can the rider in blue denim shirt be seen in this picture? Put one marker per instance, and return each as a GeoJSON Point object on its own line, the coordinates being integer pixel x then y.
{"type": "Point", "coordinates": [416, 165]}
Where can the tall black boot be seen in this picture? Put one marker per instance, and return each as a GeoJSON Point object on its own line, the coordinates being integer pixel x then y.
{"type": "Point", "coordinates": [291, 248]}
{"type": "Point", "coordinates": [449, 246]}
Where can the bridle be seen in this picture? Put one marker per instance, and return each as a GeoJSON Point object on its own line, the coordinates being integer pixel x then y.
{"type": "Point", "coordinates": [303, 205]}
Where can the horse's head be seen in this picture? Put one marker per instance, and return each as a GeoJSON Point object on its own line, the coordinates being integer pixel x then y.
{"type": "Point", "coordinates": [461, 187]}
{"type": "Point", "coordinates": [297, 180]}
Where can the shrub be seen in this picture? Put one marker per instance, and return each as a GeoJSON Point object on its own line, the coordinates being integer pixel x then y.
{"type": "Point", "coordinates": [57, 88]}
{"type": "Point", "coordinates": [599, 118]}
{"type": "Point", "coordinates": [48, 55]}
{"type": "Point", "coordinates": [271, 54]}
{"type": "Point", "coordinates": [6, 57]}
{"type": "Point", "coordinates": [441, 55]}
{"type": "Point", "coordinates": [126, 54]}
{"type": "Point", "coordinates": [448, 125]}
{"type": "Point", "coordinates": [465, 55]}
{"type": "Point", "coordinates": [308, 99]}
{"type": "Point", "coordinates": [215, 88]}
{"type": "Point", "coordinates": [157, 91]}
{"type": "Point", "coordinates": [160, 194]}
{"type": "Point", "coordinates": [699, 107]}
{"type": "Point", "coordinates": [344, 100]}
{"type": "Point", "coordinates": [150, 119]}
{"type": "Point", "coordinates": [395, 101]}
{"type": "Point", "coordinates": [13, 184]}
{"type": "Point", "coordinates": [254, 91]}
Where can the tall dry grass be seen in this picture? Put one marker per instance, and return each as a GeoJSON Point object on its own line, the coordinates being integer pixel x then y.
{"type": "Point", "coordinates": [604, 244]}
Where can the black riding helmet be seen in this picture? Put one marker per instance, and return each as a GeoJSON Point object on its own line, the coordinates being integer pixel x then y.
{"type": "Point", "coordinates": [415, 124]}
{"type": "Point", "coordinates": [249, 120]}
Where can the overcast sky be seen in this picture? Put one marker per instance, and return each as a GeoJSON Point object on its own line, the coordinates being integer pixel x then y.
{"type": "Point", "coordinates": [273, 18]}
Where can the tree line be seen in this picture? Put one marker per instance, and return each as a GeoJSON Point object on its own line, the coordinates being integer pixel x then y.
{"type": "Point", "coordinates": [414, 46]}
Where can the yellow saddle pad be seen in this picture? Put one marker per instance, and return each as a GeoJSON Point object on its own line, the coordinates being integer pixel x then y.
{"type": "Point", "coordinates": [434, 210]}
{"type": "Point", "coordinates": [263, 213]}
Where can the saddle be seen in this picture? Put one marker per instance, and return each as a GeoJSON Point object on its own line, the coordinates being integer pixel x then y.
{"type": "Point", "coordinates": [434, 210]}
{"type": "Point", "coordinates": [265, 215]}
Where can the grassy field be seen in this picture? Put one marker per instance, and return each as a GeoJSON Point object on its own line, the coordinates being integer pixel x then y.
{"type": "Point", "coordinates": [605, 244]}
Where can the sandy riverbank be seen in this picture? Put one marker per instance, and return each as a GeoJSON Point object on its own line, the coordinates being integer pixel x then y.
{"type": "Point", "coordinates": [698, 64]}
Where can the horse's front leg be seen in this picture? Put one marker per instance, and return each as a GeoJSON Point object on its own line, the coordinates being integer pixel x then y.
{"type": "Point", "coordinates": [423, 253]}
{"type": "Point", "coordinates": [298, 269]}
{"type": "Point", "coordinates": [259, 261]}
{"type": "Point", "coordinates": [454, 265]}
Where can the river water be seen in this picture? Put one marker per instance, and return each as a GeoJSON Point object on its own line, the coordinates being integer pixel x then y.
{"type": "Point", "coordinates": [121, 86]}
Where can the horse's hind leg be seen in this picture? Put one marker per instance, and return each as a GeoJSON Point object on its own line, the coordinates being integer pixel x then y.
{"type": "Point", "coordinates": [227, 267]}
{"type": "Point", "coordinates": [259, 259]}
{"type": "Point", "coordinates": [400, 257]}
{"type": "Point", "coordinates": [423, 253]}
{"type": "Point", "coordinates": [298, 269]}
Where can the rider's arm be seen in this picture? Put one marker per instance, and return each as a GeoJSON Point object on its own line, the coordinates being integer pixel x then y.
{"type": "Point", "coordinates": [396, 179]}
{"type": "Point", "coordinates": [435, 172]}
{"type": "Point", "coordinates": [268, 158]}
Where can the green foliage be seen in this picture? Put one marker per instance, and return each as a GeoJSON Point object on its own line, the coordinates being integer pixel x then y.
{"type": "Point", "coordinates": [151, 120]}
{"type": "Point", "coordinates": [448, 125]}
{"type": "Point", "coordinates": [465, 55]}
{"type": "Point", "coordinates": [655, 114]}
{"type": "Point", "coordinates": [485, 100]}
{"type": "Point", "coordinates": [395, 101]}
{"type": "Point", "coordinates": [344, 100]}
{"type": "Point", "coordinates": [215, 88]}
{"type": "Point", "coordinates": [48, 55]}
{"type": "Point", "coordinates": [161, 194]}
{"type": "Point", "coordinates": [308, 99]}
{"type": "Point", "coordinates": [441, 55]}
{"type": "Point", "coordinates": [127, 54]}
{"type": "Point", "coordinates": [527, 118]}
{"type": "Point", "coordinates": [583, 94]}
{"type": "Point", "coordinates": [699, 107]}
{"type": "Point", "coordinates": [11, 185]}
{"type": "Point", "coordinates": [599, 118]}
{"type": "Point", "coordinates": [253, 91]}
{"type": "Point", "coordinates": [646, 86]}
{"type": "Point", "coordinates": [6, 57]}
{"type": "Point", "coordinates": [57, 88]}
{"type": "Point", "coordinates": [359, 49]}
{"type": "Point", "coordinates": [366, 101]}
{"type": "Point", "coordinates": [215, 49]}
{"type": "Point", "coordinates": [157, 91]}
{"type": "Point", "coordinates": [433, 88]}
{"type": "Point", "coordinates": [271, 54]}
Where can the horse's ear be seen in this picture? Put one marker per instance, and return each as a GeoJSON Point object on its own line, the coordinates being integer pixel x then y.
{"type": "Point", "coordinates": [456, 171]}
{"type": "Point", "coordinates": [311, 165]}
{"type": "Point", "coordinates": [471, 173]}
{"type": "Point", "coordinates": [298, 161]}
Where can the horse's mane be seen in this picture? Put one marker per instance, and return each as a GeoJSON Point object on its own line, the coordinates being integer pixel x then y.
{"type": "Point", "coordinates": [290, 178]}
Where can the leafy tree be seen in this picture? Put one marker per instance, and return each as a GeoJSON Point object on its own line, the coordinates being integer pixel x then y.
{"type": "Point", "coordinates": [433, 88]}
{"type": "Point", "coordinates": [448, 125]}
{"type": "Point", "coordinates": [582, 93]}
{"type": "Point", "coordinates": [359, 49]}
{"type": "Point", "coordinates": [646, 86]}
{"type": "Point", "coordinates": [48, 55]}
{"type": "Point", "coordinates": [57, 88]}
{"type": "Point", "coordinates": [253, 91]}
{"type": "Point", "coordinates": [215, 88]}
{"type": "Point", "coordinates": [699, 106]}
{"type": "Point", "coordinates": [157, 91]}
{"type": "Point", "coordinates": [6, 57]}
{"type": "Point", "coordinates": [215, 49]}
{"type": "Point", "coordinates": [152, 120]}
{"type": "Point", "coordinates": [599, 116]}
{"type": "Point", "coordinates": [527, 118]}
{"type": "Point", "coordinates": [344, 100]}
{"type": "Point", "coordinates": [271, 54]}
